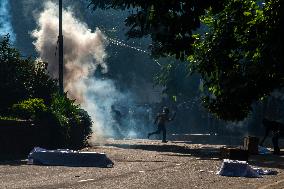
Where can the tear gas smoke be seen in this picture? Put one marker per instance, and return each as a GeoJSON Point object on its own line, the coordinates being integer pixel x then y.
{"type": "Point", "coordinates": [84, 51]}
{"type": "Point", "coordinates": [5, 20]}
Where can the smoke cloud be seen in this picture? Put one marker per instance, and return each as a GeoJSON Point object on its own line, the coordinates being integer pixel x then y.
{"type": "Point", "coordinates": [5, 20]}
{"type": "Point", "coordinates": [84, 52]}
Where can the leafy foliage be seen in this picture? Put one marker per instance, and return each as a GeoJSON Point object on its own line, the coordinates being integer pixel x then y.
{"type": "Point", "coordinates": [68, 125]}
{"type": "Point", "coordinates": [240, 58]}
{"type": "Point", "coordinates": [30, 108]}
{"type": "Point", "coordinates": [6, 118]}
{"type": "Point", "coordinates": [31, 93]}
{"type": "Point", "coordinates": [177, 83]}
{"type": "Point", "coordinates": [169, 23]}
{"type": "Point", "coordinates": [21, 78]}
{"type": "Point", "coordinates": [71, 124]}
{"type": "Point", "coordinates": [235, 45]}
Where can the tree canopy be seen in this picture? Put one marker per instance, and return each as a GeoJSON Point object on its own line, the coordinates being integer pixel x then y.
{"type": "Point", "coordinates": [21, 78]}
{"type": "Point", "coordinates": [169, 23]}
{"type": "Point", "coordinates": [177, 84]}
{"type": "Point", "coordinates": [240, 57]}
{"type": "Point", "coordinates": [235, 45]}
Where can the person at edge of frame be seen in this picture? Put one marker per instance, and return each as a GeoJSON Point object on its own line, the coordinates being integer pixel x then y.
{"type": "Point", "coordinates": [277, 130]}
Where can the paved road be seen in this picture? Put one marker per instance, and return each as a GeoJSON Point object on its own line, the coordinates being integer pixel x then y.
{"type": "Point", "coordinates": [143, 164]}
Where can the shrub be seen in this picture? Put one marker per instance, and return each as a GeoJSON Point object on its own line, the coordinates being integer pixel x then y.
{"type": "Point", "coordinates": [9, 118]}
{"type": "Point", "coordinates": [73, 125]}
{"type": "Point", "coordinates": [79, 132]}
{"type": "Point", "coordinates": [31, 108]}
{"type": "Point", "coordinates": [21, 79]}
{"type": "Point", "coordinates": [68, 125]}
{"type": "Point", "coordinates": [30, 93]}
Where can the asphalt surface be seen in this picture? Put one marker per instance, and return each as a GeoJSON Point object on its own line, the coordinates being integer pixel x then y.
{"type": "Point", "coordinates": [143, 164]}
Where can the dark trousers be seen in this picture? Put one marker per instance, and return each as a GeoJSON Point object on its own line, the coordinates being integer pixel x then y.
{"type": "Point", "coordinates": [275, 143]}
{"type": "Point", "coordinates": [162, 128]}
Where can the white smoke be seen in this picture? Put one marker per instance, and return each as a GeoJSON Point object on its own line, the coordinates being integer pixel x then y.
{"type": "Point", "coordinates": [84, 51]}
{"type": "Point", "coordinates": [5, 20]}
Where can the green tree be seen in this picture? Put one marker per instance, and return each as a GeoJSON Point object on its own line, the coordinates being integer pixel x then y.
{"type": "Point", "coordinates": [22, 78]}
{"type": "Point", "coordinates": [178, 84]}
{"type": "Point", "coordinates": [240, 57]}
{"type": "Point", "coordinates": [235, 45]}
{"type": "Point", "coordinates": [169, 23]}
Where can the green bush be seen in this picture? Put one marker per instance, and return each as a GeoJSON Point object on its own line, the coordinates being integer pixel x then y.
{"type": "Point", "coordinates": [79, 133]}
{"type": "Point", "coordinates": [9, 118]}
{"type": "Point", "coordinates": [21, 79]}
{"type": "Point", "coordinates": [31, 109]}
{"type": "Point", "coordinates": [28, 92]}
{"type": "Point", "coordinates": [71, 124]}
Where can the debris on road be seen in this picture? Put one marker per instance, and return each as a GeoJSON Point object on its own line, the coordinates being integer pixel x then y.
{"type": "Point", "coordinates": [265, 172]}
{"type": "Point", "coordinates": [235, 168]}
{"type": "Point", "coordinates": [66, 157]}
{"type": "Point", "coordinates": [262, 150]}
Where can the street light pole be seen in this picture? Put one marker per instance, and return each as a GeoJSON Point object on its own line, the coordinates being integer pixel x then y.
{"type": "Point", "coordinates": [60, 41]}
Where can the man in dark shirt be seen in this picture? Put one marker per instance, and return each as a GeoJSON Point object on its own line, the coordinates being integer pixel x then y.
{"type": "Point", "coordinates": [161, 120]}
{"type": "Point", "coordinates": [276, 129]}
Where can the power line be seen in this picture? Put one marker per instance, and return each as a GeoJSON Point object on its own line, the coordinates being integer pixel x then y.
{"type": "Point", "coordinates": [123, 44]}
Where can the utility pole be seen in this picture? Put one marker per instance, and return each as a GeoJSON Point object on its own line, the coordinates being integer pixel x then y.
{"type": "Point", "coordinates": [60, 41]}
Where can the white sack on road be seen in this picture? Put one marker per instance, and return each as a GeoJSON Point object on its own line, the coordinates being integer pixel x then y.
{"type": "Point", "coordinates": [235, 168]}
{"type": "Point", "coordinates": [65, 157]}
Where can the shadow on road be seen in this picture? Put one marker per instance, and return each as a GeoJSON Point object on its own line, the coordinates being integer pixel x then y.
{"type": "Point", "coordinates": [269, 160]}
{"type": "Point", "coordinates": [206, 139]}
{"type": "Point", "coordinates": [202, 153]}
{"type": "Point", "coordinates": [13, 162]}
